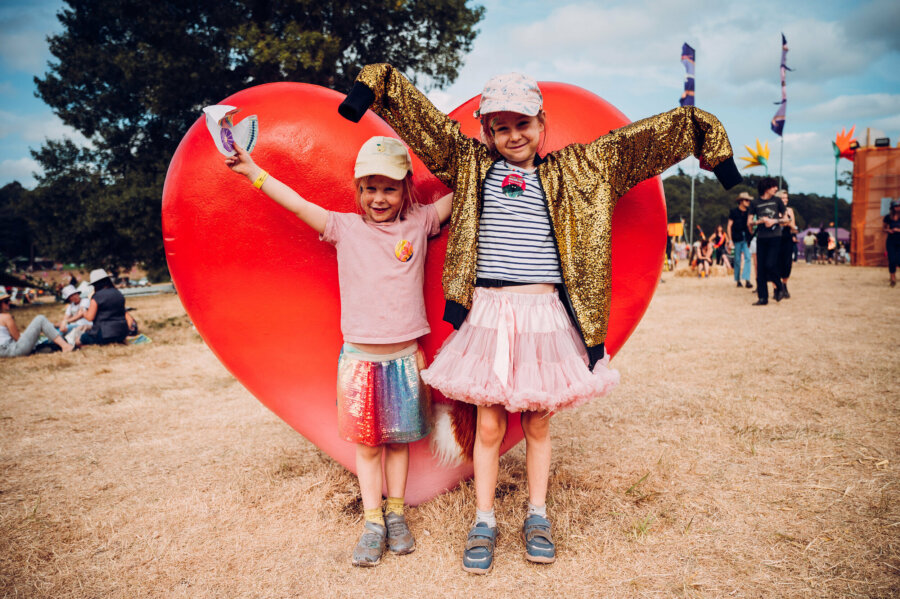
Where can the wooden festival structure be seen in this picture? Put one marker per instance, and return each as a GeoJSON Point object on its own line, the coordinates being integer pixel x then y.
{"type": "Point", "coordinates": [876, 181]}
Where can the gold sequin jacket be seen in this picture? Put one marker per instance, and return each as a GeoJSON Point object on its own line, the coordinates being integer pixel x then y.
{"type": "Point", "coordinates": [581, 184]}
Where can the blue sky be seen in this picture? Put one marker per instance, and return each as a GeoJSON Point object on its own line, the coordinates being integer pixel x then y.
{"type": "Point", "coordinates": [846, 57]}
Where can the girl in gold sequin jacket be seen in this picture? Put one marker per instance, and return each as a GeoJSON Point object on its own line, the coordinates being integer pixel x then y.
{"type": "Point", "coordinates": [525, 230]}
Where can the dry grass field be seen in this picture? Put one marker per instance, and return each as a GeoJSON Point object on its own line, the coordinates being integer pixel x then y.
{"type": "Point", "coordinates": [749, 452]}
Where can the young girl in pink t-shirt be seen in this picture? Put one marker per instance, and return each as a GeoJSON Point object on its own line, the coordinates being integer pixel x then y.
{"type": "Point", "coordinates": [382, 403]}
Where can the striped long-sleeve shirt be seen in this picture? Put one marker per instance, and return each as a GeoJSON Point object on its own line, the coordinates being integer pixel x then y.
{"type": "Point", "coordinates": [515, 238]}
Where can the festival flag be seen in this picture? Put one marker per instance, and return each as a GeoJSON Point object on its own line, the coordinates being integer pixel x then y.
{"type": "Point", "coordinates": [687, 59]}
{"type": "Point", "coordinates": [778, 119]}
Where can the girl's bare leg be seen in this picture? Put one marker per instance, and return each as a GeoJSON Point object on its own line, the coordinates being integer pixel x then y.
{"type": "Point", "coordinates": [368, 471]}
{"type": "Point", "coordinates": [489, 431]}
{"type": "Point", "coordinates": [396, 468]}
{"type": "Point", "coordinates": [538, 446]}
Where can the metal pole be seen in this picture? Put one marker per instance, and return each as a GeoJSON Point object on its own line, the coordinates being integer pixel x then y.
{"type": "Point", "coordinates": [781, 163]}
{"type": "Point", "coordinates": [693, 172]}
{"type": "Point", "coordinates": [836, 160]}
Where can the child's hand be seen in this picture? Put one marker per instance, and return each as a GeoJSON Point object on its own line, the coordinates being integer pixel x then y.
{"type": "Point", "coordinates": [242, 163]}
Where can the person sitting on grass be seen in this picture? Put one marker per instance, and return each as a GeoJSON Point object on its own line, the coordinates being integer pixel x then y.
{"type": "Point", "coordinates": [14, 344]}
{"type": "Point", "coordinates": [107, 312]}
{"type": "Point", "coordinates": [704, 258]}
{"type": "Point", "coordinates": [73, 323]}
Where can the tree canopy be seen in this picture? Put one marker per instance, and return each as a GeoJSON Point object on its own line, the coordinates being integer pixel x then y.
{"type": "Point", "coordinates": [712, 202]}
{"type": "Point", "coordinates": [133, 75]}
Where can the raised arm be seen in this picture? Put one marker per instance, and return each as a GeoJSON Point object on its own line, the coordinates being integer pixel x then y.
{"type": "Point", "coordinates": [312, 214]}
{"type": "Point", "coordinates": [443, 205]}
{"type": "Point", "coordinates": [647, 147]}
{"type": "Point", "coordinates": [431, 134]}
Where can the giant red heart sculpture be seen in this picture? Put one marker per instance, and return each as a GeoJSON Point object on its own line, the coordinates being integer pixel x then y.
{"type": "Point", "coordinates": [262, 289]}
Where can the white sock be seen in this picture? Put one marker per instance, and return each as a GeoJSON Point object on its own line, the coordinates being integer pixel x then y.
{"type": "Point", "coordinates": [534, 510]}
{"type": "Point", "coordinates": [486, 516]}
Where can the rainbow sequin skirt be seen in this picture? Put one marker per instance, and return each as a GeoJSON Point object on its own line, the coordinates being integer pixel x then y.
{"type": "Point", "coordinates": [382, 399]}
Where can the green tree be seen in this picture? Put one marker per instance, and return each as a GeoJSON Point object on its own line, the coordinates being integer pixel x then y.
{"type": "Point", "coordinates": [15, 233]}
{"type": "Point", "coordinates": [712, 203]}
{"type": "Point", "coordinates": [133, 75]}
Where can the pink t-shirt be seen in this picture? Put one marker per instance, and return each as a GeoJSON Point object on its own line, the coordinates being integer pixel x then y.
{"type": "Point", "coordinates": [381, 270]}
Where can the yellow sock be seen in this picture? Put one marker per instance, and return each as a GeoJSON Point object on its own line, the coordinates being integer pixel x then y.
{"type": "Point", "coordinates": [394, 504]}
{"type": "Point", "coordinates": [374, 515]}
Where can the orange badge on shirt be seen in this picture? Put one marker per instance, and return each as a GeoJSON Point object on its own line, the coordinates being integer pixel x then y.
{"type": "Point", "coordinates": [403, 250]}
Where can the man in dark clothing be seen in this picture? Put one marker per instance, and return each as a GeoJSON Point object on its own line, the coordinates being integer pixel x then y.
{"type": "Point", "coordinates": [767, 213]}
{"type": "Point", "coordinates": [822, 238]}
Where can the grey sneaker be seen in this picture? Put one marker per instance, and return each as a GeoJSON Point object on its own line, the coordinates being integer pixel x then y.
{"type": "Point", "coordinates": [399, 539]}
{"type": "Point", "coordinates": [539, 547]}
{"type": "Point", "coordinates": [368, 550]}
{"type": "Point", "coordinates": [478, 557]}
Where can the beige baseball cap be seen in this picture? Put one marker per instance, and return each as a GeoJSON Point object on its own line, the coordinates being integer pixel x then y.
{"type": "Point", "coordinates": [383, 156]}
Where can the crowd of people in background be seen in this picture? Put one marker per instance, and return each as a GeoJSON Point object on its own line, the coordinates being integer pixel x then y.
{"type": "Point", "coordinates": [94, 314]}
{"type": "Point", "coordinates": [761, 236]}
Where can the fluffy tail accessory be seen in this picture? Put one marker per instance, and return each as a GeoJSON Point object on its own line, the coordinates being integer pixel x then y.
{"type": "Point", "coordinates": [453, 437]}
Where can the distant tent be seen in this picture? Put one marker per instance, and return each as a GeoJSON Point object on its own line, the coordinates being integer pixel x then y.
{"type": "Point", "coordinates": [843, 234]}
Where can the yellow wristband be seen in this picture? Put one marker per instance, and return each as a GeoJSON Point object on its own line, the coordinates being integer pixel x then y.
{"type": "Point", "coordinates": [263, 175]}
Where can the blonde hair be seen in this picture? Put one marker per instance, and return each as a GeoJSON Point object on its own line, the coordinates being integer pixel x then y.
{"type": "Point", "coordinates": [410, 197]}
{"type": "Point", "coordinates": [487, 137]}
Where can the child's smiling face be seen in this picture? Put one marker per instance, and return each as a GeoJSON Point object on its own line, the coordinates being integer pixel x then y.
{"type": "Point", "coordinates": [381, 198]}
{"type": "Point", "coordinates": [517, 137]}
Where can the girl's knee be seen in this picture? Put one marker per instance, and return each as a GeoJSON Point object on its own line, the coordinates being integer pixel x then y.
{"type": "Point", "coordinates": [536, 425]}
{"type": "Point", "coordinates": [368, 452]}
{"type": "Point", "coordinates": [491, 426]}
{"type": "Point", "coordinates": [396, 447]}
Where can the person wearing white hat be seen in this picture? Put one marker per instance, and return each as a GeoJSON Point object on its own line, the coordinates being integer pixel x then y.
{"type": "Point", "coordinates": [86, 290]}
{"type": "Point", "coordinates": [739, 234]}
{"type": "Point", "coordinates": [382, 405]}
{"type": "Point", "coordinates": [106, 312]}
{"type": "Point", "coordinates": [74, 322]}
{"type": "Point", "coordinates": [13, 343]}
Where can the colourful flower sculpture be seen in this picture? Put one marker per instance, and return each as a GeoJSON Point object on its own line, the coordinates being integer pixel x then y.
{"type": "Point", "coordinates": [844, 145]}
{"type": "Point", "coordinates": [758, 158]}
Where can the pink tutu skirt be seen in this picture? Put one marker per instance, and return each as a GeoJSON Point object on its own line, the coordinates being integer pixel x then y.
{"type": "Point", "coordinates": [521, 351]}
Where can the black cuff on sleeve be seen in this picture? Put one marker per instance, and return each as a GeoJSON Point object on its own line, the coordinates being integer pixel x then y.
{"type": "Point", "coordinates": [595, 354]}
{"type": "Point", "coordinates": [727, 173]}
{"type": "Point", "coordinates": [357, 102]}
{"type": "Point", "coordinates": [454, 313]}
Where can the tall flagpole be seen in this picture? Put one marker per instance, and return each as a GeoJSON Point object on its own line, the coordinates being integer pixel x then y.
{"type": "Point", "coordinates": [687, 99]}
{"type": "Point", "coordinates": [778, 120]}
{"type": "Point", "coordinates": [693, 175]}
{"type": "Point", "coordinates": [781, 163]}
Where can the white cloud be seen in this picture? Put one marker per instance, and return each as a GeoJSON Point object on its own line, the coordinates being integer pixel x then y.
{"type": "Point", "coordinates": [627, 52]}
{"type": "Point", "coordinates": [24, 50]}
{"type": "Point", "coordinates": [862, 106]}
{"type": "Point", "coordinates": [890, 124]}
{"type": "Point", "coordinates": [876, 22]}
{"type": "Point", "coordinates": [19, 169]}
{"type": "Point", "coordinates": [35, 128]}
{"type": "Point", "coordinates": [442, 100]}
{"type": "Point", "coordinates": [24, 27]}
{"type": "Point", "coordinates": [604, 40]}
